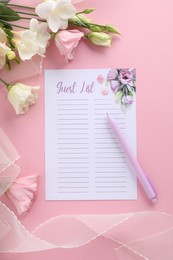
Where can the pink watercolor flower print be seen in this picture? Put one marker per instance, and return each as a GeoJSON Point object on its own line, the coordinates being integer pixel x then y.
{"type": "Point", "coordinates": [123, 84]}
{"type": "Point", "coordinates": [100, 79]}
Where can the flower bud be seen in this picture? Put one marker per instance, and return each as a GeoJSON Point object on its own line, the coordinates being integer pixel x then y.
{"type": "Point", "coordinates": [100, 38]}
{"type": "Point", "coordinates": [83, 18]}
{"type": "Point", "coordinates": [88, 11]}
{"type": "Point", "coordinates": [95, 27]}
{"type": "Point", "coordinates": [112, 29]}
{"type": "Point", "coordinates": [76, 21]}
{"type": "Point", "coordinates": [11, 55]}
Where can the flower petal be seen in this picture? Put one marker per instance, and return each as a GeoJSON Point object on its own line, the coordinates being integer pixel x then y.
{"type": "Point", "coordinates": [3, 37]}
{"type": "Point", "coordinates": [54, 23]}
{"type": "Point", "coordinates": [43, 10]}
{"type": "Point", "coordinates": [33, 25]}
{"type": "Point", "coordinates": [22, 96]}
{"type": "Point", "coordinates": [22, 193]}
{"type": "Point", "coordinates": [67, 11]}
{"type": "Point", "coordinates": [63, 24]}
{"type": "Point", "coordinates": [66, 41]}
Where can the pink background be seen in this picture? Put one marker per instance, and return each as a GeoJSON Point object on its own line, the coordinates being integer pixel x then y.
{"type": "Point", "coordinates": [146, 44]}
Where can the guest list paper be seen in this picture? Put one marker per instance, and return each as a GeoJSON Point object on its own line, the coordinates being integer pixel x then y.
{"type": "Point", "coordinates": [83, 159]}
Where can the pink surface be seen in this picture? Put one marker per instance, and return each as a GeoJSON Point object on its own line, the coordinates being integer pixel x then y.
{"type": "Point", "coordinates": [146, 43]}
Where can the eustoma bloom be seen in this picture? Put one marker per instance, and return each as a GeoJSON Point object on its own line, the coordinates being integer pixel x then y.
{"type": "Point", "coordinates": [22, 193]}
{"type": "Point", "coordinates": [66, 41]}
{"type": "Point", "coordinates": [22, 96]}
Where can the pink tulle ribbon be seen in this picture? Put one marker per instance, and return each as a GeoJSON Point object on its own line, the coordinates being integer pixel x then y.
{"type": "Point", "coordinates": [20, 190]}
{"type": "Point", "coordinates": [8, 168]}
{"type": "Point", "coordinates": [143, 235]}
{"type": "Point", "coordinates": [29, 68]}
{"type": "Point", "coordinates": [139, 235]}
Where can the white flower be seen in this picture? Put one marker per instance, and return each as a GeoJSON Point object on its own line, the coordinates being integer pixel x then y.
{"type": "Point", "coordinates": [3, 52]}
{"type": "Point", "coordinates": [56, 12]}
{"type": "Point", "coordinates": [11, 55]}
{"type": "Point", "coordinates": [26, 45]}
{"type": "Point", "coordinates": [3, 48]}
{"type": "Point", "coordinates": [41, 35]}
{"type": "Point", "coordinates": [33, 41]}
{"type": "Point", "coordinates": [3, 37]}
{"type": "Point", "coordinates": [22, 96]}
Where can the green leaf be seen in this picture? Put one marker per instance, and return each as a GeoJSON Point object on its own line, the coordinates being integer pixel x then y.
{"type": "Point", "coordinates": [7, 14]}
{"type": "Point", "coordinates": [5, 1]}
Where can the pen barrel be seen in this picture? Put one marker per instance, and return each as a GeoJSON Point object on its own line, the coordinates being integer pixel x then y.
{"type": "Point", "coordinates": [132, 161]}
{"type": "Point", "coordinates": [143, 179]}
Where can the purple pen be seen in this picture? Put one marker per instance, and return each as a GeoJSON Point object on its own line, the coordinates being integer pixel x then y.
{"type": "Point", "coordinates": [143, 179]}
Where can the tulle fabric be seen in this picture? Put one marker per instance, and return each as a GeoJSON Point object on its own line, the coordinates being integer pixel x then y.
{"type": "Point", "coordinates": [21, 191]}
{"type": "Point", "coordinates": [8, 168]}
{"type": "Point", "coordinates": [23, 70]}
{"type": "Point", "coordinates": [138, 235]}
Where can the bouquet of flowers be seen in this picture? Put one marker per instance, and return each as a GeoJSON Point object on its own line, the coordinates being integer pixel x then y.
{"type": "Point", "coordinates": [51, 20]}
{"type": "Point", "coordinates": [123, 84]}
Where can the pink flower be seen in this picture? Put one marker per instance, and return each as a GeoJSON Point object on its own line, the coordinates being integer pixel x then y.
{"type": "Point", "coordinates": [127, 100]}
{"type": "Point", "coordinates": [105, 92]}
{"type": "Point", "coordinates": [66, 41]}
{"type": "Point", "coordinates": [22, 193]}
{"type": "Point", "coordinates": [112, 74]}
{"type": "Point", "coordinates": [126, 77]}
{"type": "Point", "coordinates": [100, 79]}
{"type": "Point", "coordinates": [115, 85]}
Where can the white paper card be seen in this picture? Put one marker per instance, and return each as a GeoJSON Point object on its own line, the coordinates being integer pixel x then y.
{"type": "Point", "coordinates": [83, 159]}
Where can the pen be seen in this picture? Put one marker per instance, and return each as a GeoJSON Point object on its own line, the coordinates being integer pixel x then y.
{"type": "Point", "coordinates": [143, 179]}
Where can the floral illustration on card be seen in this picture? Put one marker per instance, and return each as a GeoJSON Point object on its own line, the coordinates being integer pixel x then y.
{"type": "Point", "coordinates": [101, 81]}
{"type": "Point", "coordinates": [123, 84]}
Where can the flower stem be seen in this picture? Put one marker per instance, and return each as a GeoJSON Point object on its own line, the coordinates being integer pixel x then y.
{"type": "Point", "coordinates": [4, 82]}
{"type": "Point", "coordinates": [18, 26]}
{"type": "Point", "coordinates": [22, 6]}
{"type": "Point", "coordinates": [26, 13]}
{"type": "Point", "coordinates": [15, 25]}
{"type": "Point", "coordinates": [25, 18]}
{"type": "Point", "coordinates": [28, 18]}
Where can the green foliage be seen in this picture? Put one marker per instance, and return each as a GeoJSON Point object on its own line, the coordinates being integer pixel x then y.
{"type": "Point", "coordinates": [7, 14]}
{"type": "Point", "coordinates": [5, 1]}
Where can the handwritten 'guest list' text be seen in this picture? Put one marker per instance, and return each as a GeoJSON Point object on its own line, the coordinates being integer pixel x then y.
{"type": "Point", "coordinates": [74, 88]}
{"type": "Point", "coordinates": [83, 160]}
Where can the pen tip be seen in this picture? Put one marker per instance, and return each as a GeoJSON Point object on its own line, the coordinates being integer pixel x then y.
{"type": "Point", "coordinates": [154, 200]}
